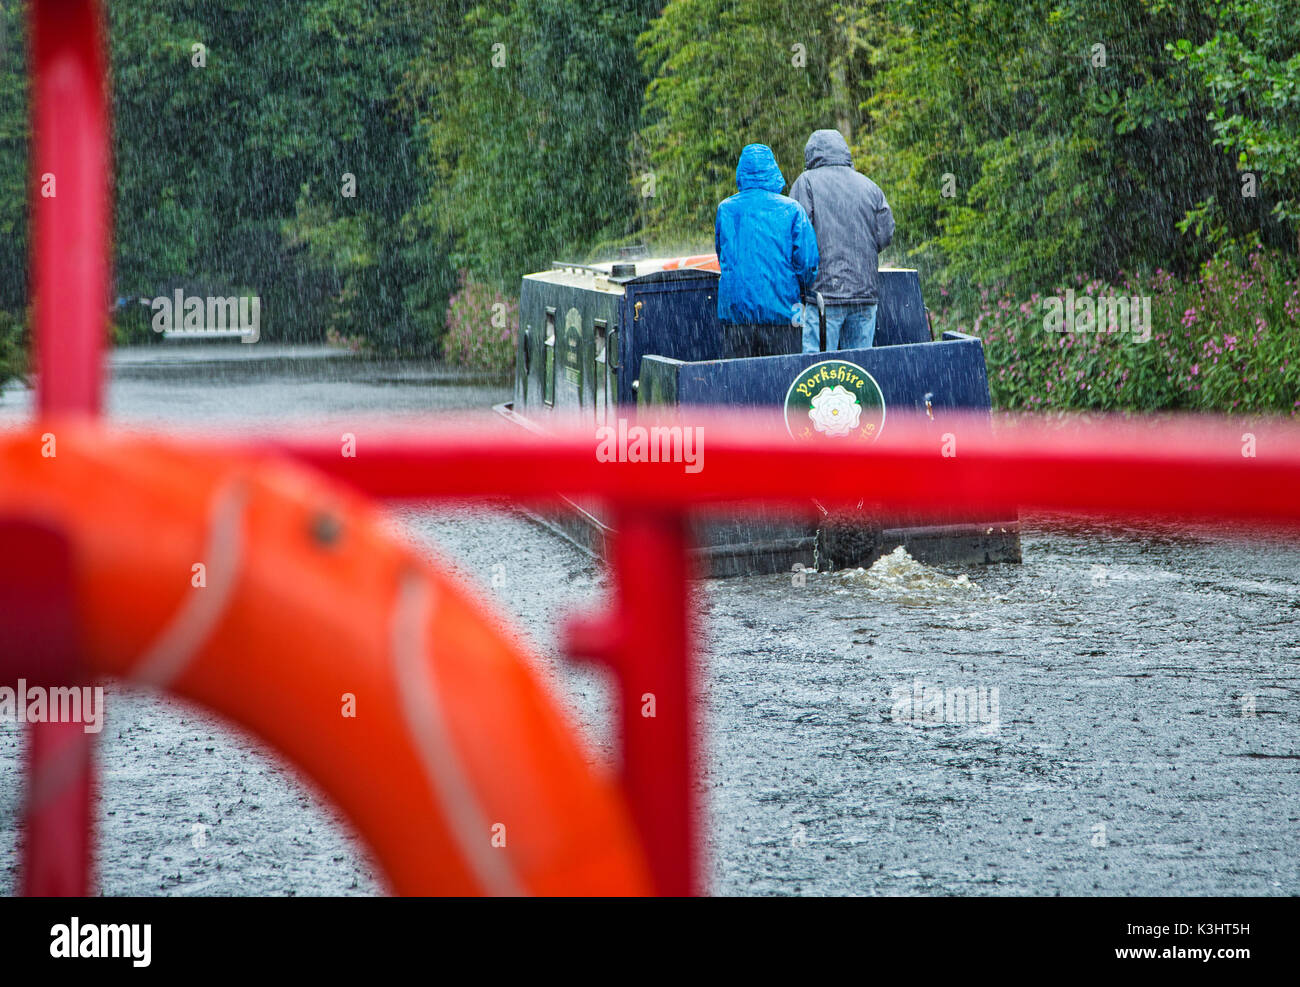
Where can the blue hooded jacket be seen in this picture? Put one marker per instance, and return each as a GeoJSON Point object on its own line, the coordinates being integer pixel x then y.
{"type": "Point", "coordinates": [767, 250]}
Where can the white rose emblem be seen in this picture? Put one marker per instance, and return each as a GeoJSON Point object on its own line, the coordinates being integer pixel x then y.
{"type": "Point", "coordinates": [835, 411]}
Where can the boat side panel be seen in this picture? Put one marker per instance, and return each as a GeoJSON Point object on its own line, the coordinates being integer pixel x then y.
{"type": "Point", "coordinates": [574, 378]}
{"type": "Point", "coordinates": [676, 319]}
{"type": "Point", "coordinates": [950, 374]}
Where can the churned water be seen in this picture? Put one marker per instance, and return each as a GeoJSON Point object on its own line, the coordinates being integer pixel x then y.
{"type": "Point", "coordinates": [1117, 715]}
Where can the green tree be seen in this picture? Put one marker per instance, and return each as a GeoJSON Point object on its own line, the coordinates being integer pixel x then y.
{"type": "Point", "coordinates": [726, 73]}
{"type": "Point", "coordinates": [1249, 70]}
{"type": "Point", "coordinates": [13, 190]}
{"type": "Point", "coordinates": [1075, 140]}
{"type": "Point", "coordinates": [13, 157]}
{"type": "Point", "coordinates": [532, 142]}
{"type": "Point", "coordinates": [232, 160]}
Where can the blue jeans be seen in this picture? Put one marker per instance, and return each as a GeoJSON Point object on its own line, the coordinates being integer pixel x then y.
{"type": "Point", "coordinates": [848, 327]}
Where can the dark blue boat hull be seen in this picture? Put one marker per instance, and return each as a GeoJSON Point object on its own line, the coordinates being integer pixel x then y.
{"type": "Point", "coordinates": [592, 345]}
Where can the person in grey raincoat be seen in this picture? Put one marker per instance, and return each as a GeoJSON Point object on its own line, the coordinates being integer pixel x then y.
{"type": "Point", "coordinates": [853, 223]}
{"type": "Point", "coordinates": [767, 258]}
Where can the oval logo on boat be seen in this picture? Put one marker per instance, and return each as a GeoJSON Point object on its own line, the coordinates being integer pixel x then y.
{"type": "Point", "coordinates": [835, 399]}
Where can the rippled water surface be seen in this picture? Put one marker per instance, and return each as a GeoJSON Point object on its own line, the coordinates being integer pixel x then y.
{"type": "Point", "coordinates": [1117, 715]}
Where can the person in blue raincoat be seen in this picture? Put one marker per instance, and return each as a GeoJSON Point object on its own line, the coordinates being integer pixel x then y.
{"type": "Point", "coordinates": [767, 253]}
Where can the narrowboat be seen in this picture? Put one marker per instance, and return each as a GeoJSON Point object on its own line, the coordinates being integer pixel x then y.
{"type": "Point", "coordinates": [597, 340]}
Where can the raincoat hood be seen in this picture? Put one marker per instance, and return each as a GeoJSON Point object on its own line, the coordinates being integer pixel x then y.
{"type": "Point", "coordinates": [826, 147]}
{"type": "Point", "coordinates": [852, 219]}
{"type": "Point", "coordinates": [758, 169]}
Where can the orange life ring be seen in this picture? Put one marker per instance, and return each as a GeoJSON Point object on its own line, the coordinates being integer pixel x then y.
{"type": "Point", "coordinates": [457, 768]}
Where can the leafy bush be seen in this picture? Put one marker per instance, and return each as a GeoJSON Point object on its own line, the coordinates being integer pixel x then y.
{"type": "Point", "coordinates": [1227, 341]}
{"type": "Point", "coordinates": [13, 347]}
{"type": "Point", "coordinates": [132, 325]}
{"type": "Point", "coordinates": [480, 327]}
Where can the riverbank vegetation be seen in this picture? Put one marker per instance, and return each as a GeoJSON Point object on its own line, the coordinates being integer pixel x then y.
{"type": "Point", "coordinates": [361, 161]}
{"type": "Point", "coordinates": [13, 347]}
{"type": "Point", "coordinates": [1225, 340]}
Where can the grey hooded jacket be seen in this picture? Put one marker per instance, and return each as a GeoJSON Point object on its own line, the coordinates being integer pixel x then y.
{"type": "Point", "coordinates": [849, 213]}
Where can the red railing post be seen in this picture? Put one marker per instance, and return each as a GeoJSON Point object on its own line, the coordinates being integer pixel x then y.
{"type": "Point", "coordinates": [70, 203]}
{"type": "Point", "coordinates": [70, 293]}
{"type": "Point", "coordinates": [646, 641]}
{"type": "Point", "coordinates": [658, 693]}
{"type": "Point", "coordinates": [38, 626]}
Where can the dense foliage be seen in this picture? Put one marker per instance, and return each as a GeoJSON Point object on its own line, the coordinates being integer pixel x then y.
{"type": "Point", "coordinates": [1225, 340]}
{"type": "Point", "coordinates": [288, 161]}
{"type": "Point", "coordinates": [267, 148]}
{"type": "Point", "coordinates": [532, 144]}
{"type": "Point", "coordinates": [726, 74]}
{"type": "Point", "coordinates": [343, 158]}
{"type": "Point", "coordinates": [13, 347]}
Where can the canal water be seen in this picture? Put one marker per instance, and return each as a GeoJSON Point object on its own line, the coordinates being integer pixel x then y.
{"type": "Point", "coordinates": [1116, 716]}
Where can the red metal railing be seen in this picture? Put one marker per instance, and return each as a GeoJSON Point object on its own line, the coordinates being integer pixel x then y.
{"type": "Point", "coordinates": [1190, 470]}
{"type": "Point", "coordinates": [70, 258]}
{"type": "Point", "coordinates": [1193, 468]}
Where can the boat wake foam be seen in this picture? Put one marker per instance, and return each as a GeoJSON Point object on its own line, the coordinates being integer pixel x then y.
{"type": "Point", "coordinates": [899, 575]}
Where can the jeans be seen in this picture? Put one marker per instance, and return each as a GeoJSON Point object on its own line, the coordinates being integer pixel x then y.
{"type": "Point", "coordinates": [848, 327]}
{"type": "Point", "coordinates": [740, 341]}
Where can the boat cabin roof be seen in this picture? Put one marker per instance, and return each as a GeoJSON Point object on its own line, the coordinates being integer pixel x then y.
{"type": "Point", "coordinates": [611, 275]}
